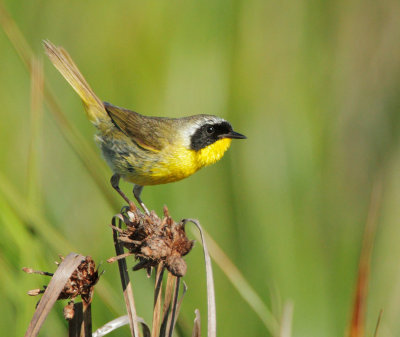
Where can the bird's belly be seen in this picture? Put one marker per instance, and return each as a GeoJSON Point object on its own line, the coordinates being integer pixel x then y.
{"type": "Point", "coordinates": [161, 169]}
{"type": "Point", "coordinates": [146, 167]}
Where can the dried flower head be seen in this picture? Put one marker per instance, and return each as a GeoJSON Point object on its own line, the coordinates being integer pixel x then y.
{"type": "Point", "coordinates": [81, 283]}
{"type": "Point", "coordinates": [153, 240]}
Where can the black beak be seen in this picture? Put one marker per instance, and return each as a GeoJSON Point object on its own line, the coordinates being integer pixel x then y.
{"type": "Point", "coordinates": [234, 135]}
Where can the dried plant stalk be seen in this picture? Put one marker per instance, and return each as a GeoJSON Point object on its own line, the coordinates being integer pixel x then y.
{"type": "Point", "coordinates": [87, 319]}
{"type": "Point", "coordinates": [169, 290]}
{"type": "Point", "coordinates": [174, 307]}
{"type": "Point", "coordinates": [111, 326]}
{"type": "Point", "coordinates": [81, 323]}
{"type": "Point", "coordinates": [117, 323]}
{"type": "Point", "coordinates": [211, 307]}
{"type": "Point", "coordinates": [180, 300]}
{"type": "Point", "coordinates": [126, 284]}
{"type": "Point", "coordinates": [196, 324]}
{"type": "Point", "coordinates": [157, 300]}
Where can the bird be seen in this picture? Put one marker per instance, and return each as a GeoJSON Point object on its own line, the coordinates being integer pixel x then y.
{"type": "Point", "coordinates": [146, 150]}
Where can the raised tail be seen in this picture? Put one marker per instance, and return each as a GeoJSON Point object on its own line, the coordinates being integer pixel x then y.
{"type": "Point", "coordinates": [63, 62]}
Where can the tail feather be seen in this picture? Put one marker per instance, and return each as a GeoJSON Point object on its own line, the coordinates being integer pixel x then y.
{"type": "Point", "coordinates": [66, 66]}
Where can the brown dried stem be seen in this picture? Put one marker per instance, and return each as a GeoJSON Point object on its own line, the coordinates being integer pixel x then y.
{"type": "Point", "coordinates": [126, 284]}
{"type": "Point", "coordinates": [167, 304]}
{"type": "Point", "coordinates": [81, 323]}
{"type": "Point", "coordinates": [174, 307]}
{"type": "Point", "coordinates": [157, 300]}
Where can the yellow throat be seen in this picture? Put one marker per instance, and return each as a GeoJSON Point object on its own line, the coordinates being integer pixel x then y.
{"type": "Point", "coordinates": [212, 153]}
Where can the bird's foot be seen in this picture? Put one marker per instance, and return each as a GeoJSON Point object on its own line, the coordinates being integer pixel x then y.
{"type": "Point", "coordinates": [144, 207]}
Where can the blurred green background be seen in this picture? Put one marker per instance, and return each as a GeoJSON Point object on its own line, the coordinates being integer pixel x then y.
{"type": "Point", "coordinates": [315, 87]}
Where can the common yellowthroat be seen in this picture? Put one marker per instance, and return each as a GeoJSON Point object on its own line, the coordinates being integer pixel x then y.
{"type": "Point", "coordinates": [146, 150]}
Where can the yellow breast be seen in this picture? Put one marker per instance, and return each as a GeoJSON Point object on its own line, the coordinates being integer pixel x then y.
{"type": "Point", "coordinates": [180, 162]}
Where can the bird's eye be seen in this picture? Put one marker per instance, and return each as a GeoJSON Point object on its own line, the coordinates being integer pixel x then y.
{"type": "Point", "coordinates": [210, 130]}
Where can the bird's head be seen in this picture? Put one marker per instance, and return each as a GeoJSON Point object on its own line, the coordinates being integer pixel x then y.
{"type": "Point", "coordinates": [209, 137]}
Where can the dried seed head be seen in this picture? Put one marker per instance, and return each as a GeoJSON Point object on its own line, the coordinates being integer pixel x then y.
{"type": "Point", "coordinates": [153, 240]}
{"type": "Point", "coordinates": [81, 282]}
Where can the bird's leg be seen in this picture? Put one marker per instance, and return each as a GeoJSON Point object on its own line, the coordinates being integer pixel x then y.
{"type": "Point", "coordinates": [137, 190]}
{"type": "Point", "coordinates": [115, 184]}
